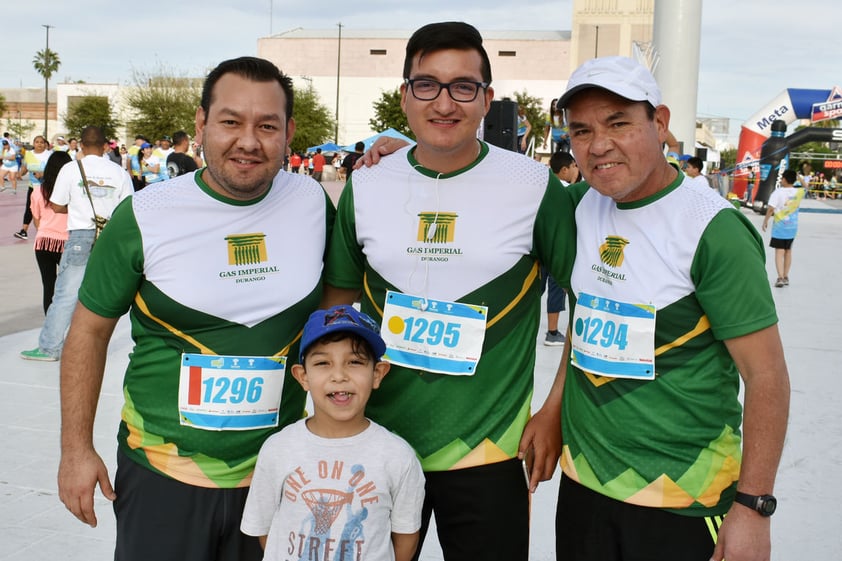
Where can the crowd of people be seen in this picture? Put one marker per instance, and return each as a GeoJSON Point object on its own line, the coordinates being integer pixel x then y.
{"type": "Point", "coordinates": [409, 312]}
{"type": "Point", "coordinates": [313, 163]}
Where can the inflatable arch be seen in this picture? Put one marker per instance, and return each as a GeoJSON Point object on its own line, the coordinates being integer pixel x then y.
{"type": "Point", "coordinates": [788, 106]}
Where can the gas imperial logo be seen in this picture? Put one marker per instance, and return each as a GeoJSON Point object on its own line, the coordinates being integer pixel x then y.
{"type": "Point", "coordinates": [246, 249]}
{"type": "Point", "coordinates": [436, 227]}
{"type": "Point", "coordinates": [611, 252]}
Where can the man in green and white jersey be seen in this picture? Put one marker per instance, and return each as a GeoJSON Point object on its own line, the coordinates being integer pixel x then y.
{"type": "Point", "coordinates": [443, 240]}
{"type": "Point", "coordinates": [219, 270]}
{"type": "Point", "coordinates": [656, 447]}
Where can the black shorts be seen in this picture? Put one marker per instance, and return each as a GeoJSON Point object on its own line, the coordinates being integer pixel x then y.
{"type": "Point", "coordinates": [778, 243]}
{"type": "Point", "coordinates": [593, 527]}
{"type": "Point", "coordinates": [161, 518]}
{"type": "Point", "coordinates": [482, 513]}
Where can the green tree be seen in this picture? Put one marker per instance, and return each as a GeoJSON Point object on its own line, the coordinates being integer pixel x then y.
{"type": "Point", "coordinates": [3, 106]}
{"type": "Point", "coordinates": [388, 114]}
{"type": "Point", "coordinates": [728, 159]}
{"type": "Point", "coordinates": [20, 129]}
{"type": "Point", "coordinates": [535, 114]}
{"type": "Point", "coordinates": [91, 110]}
{"type": "Point", "coordinates": [46, 63]}
{"type": "Point", "coordinates": [163, 103]}
{"type": "Point", "coordinates": [314, 124]}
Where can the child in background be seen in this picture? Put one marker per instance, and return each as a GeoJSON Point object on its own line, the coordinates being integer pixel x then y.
{"type": "Point", "coordinates": [337, 485]}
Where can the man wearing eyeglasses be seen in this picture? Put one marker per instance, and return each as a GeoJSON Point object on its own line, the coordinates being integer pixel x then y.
{"type": "Point", "coordinates": [441, 242]}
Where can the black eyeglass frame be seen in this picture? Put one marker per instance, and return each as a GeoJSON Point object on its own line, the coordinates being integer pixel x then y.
{"type": "Point", "coordinates": [410, 82]}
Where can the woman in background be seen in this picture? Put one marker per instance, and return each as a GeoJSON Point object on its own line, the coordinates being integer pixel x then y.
{"type": "Point", "coordinates": [9, 167]}
{"type": "Point", "coordinates": [52, 227]}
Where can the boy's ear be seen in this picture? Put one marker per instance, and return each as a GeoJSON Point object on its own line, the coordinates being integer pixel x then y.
{"type": "Point", "coordinates": [380, 370]}
{"type": "Point", "coordinates": [300, 374]}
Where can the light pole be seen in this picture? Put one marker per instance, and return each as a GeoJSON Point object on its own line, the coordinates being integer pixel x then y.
{"type": "Point", "coordinates": [596, 43]}
{"type": "Point", "coordinates": [338, 58]}
{"type": "Point", "coordinates": [46, 78]}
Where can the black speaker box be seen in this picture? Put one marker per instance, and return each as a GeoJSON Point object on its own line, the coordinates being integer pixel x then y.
{"type": "Point", "coordinates": [501, 125]}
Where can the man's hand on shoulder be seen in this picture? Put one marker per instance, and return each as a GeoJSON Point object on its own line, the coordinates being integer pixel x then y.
{"type": "Point", "coordinates": [383, 146]}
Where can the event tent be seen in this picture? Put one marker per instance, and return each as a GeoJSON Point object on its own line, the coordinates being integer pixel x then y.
{"type": "Point", "coordinates": [370, 140]}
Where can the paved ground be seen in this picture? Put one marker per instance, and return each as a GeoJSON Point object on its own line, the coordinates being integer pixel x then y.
{"type": "Point", "coordinates": [35, 526]}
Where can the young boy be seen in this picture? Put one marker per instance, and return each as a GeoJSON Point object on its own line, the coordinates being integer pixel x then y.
{"type": "Point", "coordinates": [783, 209]}
{"type": "Point", "coordinates": [565, 168]}
{"type": "Point", "coordinates": [336, 485]}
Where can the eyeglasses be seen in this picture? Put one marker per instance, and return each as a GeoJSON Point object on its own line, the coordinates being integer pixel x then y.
{"type": "Point", "coordinates": [463, 91]}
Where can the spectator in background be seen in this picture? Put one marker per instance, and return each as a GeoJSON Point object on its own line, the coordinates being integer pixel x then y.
{"type": "Point", "coordinates": [337, 165]}
{"type": "Point", "coordinates": [351, 159]}
{"type": "Point", "coordinates": [565, 168]}
{"type": "Point", "coordinates": [752, 177]}
{"type": "Point", "coordinates": [61, 145]}
{"type": "Point", "coordinates": [73, 147]}
{"type": "Point", "coordinates": [9, 168]}
{"type": "Point", "coordinates": [33, 163]}
{"type": "Point", "coordinates": [318, 165]}
{"type": "Point", "coordinates": [556, 130]}
{"type": "Point", "coordinates": [783, 205]}
{"type": "Point", "coordinates": [162, 152]}
{"type": "Point", "coordinates": [51, 227]}
{"type": "Point", "coordinates": [150, 165]}
{"type": "Point", "coordinates": [179, 161]}
{"type": "Point", "coordinates": [524, 129]}
{"type": "Point", "coordinates": [295, 163]}
{"type": "Point", "coordinates": [108, 185]}
{"type": "Point", "coordinates": [112, 152]}
{"type": "Point", "coordinates": [693, 170]}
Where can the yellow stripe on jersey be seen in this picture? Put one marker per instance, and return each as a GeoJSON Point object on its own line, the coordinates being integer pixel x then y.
{"type": "Point", "coordinates": [527, 282]}
{"type": "Point", "coordinates": [205, 350]}
{"type": "Point", "coordinates": [702, 326]}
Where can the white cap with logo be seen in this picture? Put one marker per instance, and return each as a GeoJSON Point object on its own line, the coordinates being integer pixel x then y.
{"type": "Point", "coordinates": [617, 74]}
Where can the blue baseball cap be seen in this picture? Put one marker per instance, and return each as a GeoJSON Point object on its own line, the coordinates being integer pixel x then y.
{"type": "Point", "coordinates": [341, 318]}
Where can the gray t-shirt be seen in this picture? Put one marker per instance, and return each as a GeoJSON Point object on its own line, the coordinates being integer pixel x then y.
{"type": "Point", "coordinates": [345, 494]}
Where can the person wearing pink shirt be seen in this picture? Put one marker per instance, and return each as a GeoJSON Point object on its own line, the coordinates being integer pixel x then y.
{"type": "Point", "coordinates": [52, 227]}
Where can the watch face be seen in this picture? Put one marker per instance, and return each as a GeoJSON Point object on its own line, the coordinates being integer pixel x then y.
{"type": "Point", "coordinates": [767, 505]}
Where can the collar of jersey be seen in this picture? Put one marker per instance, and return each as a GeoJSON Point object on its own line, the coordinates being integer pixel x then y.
{"type": "Point", "coordinates": [223, 199]}
{"type": "Point", "coordinates": [657, 196]}
{"type": "Point", "coordinates": [410, 155]}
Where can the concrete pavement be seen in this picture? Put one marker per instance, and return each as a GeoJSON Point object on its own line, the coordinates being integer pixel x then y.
{"type": "Point", "coordinates": [34, 525]}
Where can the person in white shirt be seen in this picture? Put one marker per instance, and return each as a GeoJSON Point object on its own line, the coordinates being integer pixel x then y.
{"type": "Point", "coordinates": [108, 184]}
{"type": "Point", "coordinates": [693, 170]}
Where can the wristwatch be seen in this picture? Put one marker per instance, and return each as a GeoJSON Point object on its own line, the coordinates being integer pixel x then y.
{"type": "Point", "coordinates": [765, 505]}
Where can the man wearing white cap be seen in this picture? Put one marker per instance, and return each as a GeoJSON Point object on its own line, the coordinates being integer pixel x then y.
{"type": "Point", "coordinates": [652, 453]}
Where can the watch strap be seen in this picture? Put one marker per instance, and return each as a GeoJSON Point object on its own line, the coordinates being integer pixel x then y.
{"type": "Point", "coordinates": [764, 505]}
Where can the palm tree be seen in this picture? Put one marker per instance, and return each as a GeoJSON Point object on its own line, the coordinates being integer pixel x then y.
{"type": "Point", "coordinates": [46, 63]}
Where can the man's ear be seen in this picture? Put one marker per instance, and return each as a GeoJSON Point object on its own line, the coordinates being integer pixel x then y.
{"type": "Point", "coordinates": [662, 122]}
{"type": "Point", "coordinates": [300, 374]}
{"type": "Point", "coordinates": [199, 124]}
{"type": "Point", "coordinates": [380, 370]}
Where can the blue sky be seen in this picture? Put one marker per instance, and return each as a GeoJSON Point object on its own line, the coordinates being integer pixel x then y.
{"type": "Point", "coordinates": [751, 49]}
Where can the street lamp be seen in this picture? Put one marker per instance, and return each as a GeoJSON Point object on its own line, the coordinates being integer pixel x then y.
{"type": "Point", "coordinates": [336, 114]}
{"type": "Point", "coordinates": [596, 43]}
{"type": "Point", "coordinates": [46, 79]}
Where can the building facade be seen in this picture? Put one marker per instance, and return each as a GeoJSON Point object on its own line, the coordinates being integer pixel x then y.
{"type": "Point", "coordinates": [358, 67]}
